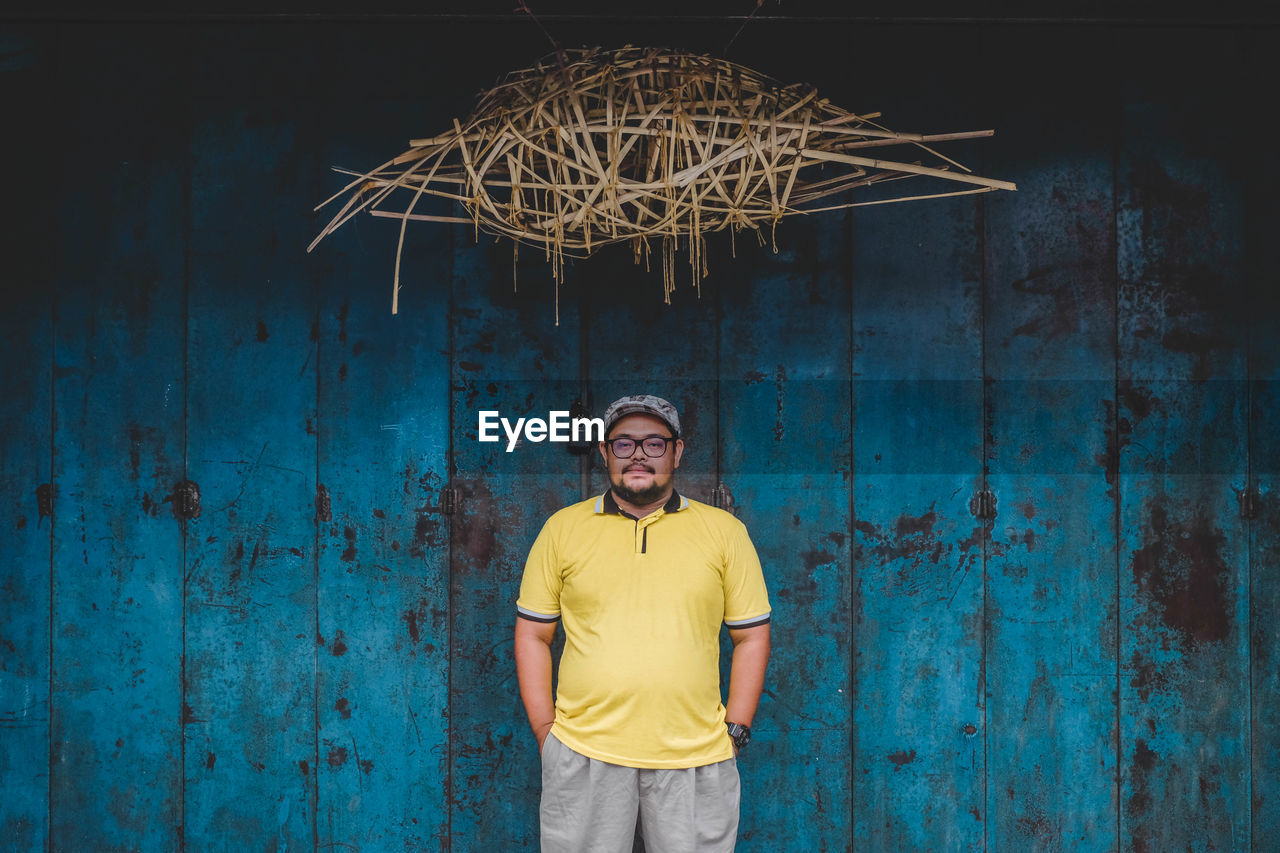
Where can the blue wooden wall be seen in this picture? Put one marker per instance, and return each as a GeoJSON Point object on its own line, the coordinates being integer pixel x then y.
{"type": "Point", "coordinates": [320, 659]}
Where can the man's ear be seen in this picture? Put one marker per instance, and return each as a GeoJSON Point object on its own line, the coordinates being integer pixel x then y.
{"type": "Point", "coordinates": [679, 450]}
{"type": "Point", "coordinates": [604, 455]}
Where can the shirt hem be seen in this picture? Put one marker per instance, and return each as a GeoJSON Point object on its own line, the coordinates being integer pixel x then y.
{"type": "Point", "coordinates": [641, 763]}
{"type": "Point", "coordinates": [750, 621]}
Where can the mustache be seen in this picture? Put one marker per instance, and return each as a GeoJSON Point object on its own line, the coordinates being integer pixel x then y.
{"type": "Point", "coordinates": [637, 468]}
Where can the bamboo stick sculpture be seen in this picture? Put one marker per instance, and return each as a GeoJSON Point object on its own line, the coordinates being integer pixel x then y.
{"type": "Point", "coordinates": [592, 147]}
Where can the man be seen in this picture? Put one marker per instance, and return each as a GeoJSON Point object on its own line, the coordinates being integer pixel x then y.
{"type": "Point", "coordinates": [642, 578]}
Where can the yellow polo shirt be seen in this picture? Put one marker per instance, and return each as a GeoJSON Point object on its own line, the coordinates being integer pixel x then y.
{"type": "Point", "coordinates": [642, 602]}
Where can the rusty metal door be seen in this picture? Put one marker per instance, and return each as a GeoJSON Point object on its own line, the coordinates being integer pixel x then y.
{"type": "Point", "coordinates": [1009, 461]}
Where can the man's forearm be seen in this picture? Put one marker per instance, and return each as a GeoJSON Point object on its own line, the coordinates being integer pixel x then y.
{"type": "Point", "coordinates": [533, 670]}
{"type": "Point", "coordinates": [746, 675]}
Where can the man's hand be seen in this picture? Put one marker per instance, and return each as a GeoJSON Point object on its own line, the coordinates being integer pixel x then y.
{"type": "Point", "coordinates": [541, 732]}
{"type": "Point", "coordinates": [533, 670]}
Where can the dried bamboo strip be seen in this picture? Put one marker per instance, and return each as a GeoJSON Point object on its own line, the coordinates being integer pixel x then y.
{"type": "Point", "coordinates": [874, 132]}
{"type": "Point", "coordinates": [836, 157]}
{"type": "Point", "coordinates": [422, 217]}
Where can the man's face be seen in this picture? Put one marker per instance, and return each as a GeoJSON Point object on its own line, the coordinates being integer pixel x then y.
{"type": "Point", "coordinates": [642, 479]}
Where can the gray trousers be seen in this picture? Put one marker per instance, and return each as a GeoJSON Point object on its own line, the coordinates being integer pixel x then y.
{"type": "Point", "coordinates": [591, 806]}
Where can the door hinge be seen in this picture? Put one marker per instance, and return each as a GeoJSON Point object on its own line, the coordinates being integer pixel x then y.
{"type": "Point", "coordinates": [983, 504]}
{"type": "Point", "coordinates": [324, 504]}
{"type": "Point", "coordinates": [44, 500]}
{"type": "Point", "coordinates": [186, 500]}
{"type": "Point", "coordinates": [450, 500]}
{"type": "Point", "coordinates": [722, 497]}
{"type": "Point", "coordinates": [1249, 500]}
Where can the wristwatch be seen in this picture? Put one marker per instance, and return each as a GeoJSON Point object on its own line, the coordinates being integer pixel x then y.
{"type": "Point", "coordinates": [740, 734]}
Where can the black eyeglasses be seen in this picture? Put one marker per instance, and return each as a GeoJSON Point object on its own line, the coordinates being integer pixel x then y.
{"type": "Point", "coordinates": [653, 446]}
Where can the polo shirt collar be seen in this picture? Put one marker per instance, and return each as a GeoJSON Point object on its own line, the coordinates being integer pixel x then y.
{"type": "Point", "coordinates": [606, 505]}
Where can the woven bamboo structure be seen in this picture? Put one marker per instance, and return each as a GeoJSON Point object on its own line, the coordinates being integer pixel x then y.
{"type": "Point", "coordinates": [592, 147]}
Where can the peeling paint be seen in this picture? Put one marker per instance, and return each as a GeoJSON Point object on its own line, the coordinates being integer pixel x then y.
{"type": "Point", "coordinates": [902, 758]}
{"type": "Point", "coordinates": [1181, 568]}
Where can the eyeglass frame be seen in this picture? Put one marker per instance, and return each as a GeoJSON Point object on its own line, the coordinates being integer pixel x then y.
{"type": "Point", "coordinates": [666, 439]}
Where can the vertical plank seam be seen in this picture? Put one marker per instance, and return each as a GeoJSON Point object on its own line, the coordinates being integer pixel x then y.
{"type": "Point", "coordinates": [1248, 497]}
{"type": "Point", "coordinates": [314, 786]}
{"type": "Point", "coordinates": [451, 475]}
{"type": "Point", "coordinates": [584, 385]}
{"type": "Point", "coordinates": [719, 445]}
{"type": "Point", "coordinates": [1248, 551]}
{"type": "Point", "coordinates": [1250, 242]}
{"type": "Point", "coordinates": [187, 179]}
{"type": "Point", "coordinates": [313, 778]}
{"type": "Point", "coordinates": [1117, 133]}
{"type": "Point", "coordinates": [850, 529]}
{"type": "Point", "coordinates": [986, 528]}
{"type": "Point", "coordinates": [53, 492]}
{"type": "Point", "coordinates": [53, 508]}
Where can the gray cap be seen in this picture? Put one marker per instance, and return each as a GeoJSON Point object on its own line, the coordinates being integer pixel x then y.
{"type": "Point", "coordinates": [642, 404]}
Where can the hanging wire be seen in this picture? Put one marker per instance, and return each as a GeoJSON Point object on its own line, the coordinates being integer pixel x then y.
{"type": "Point", "coordinates": [759, 3]}
{"type": "Point", "coordinates": [522, 6]}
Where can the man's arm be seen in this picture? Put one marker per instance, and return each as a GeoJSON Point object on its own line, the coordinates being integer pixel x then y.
{"type": "Point", "coordinates": [746, 675]}
{"type": "Point", "coordinates": [533, 670]}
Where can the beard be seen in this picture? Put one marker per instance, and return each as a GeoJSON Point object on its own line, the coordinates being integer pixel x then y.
{"type": "Point", "coordinates": [640, 497]}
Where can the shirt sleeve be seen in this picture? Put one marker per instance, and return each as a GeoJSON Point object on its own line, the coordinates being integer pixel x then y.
{"type": "Point", "coordinates": [540, 587]}
{"type": "Point", "coordinates": [746, 598]}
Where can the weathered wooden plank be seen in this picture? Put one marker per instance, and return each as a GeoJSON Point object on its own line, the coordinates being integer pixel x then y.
{"type": "Point", "coordinates": [118, 455]}
{"type": "Point", "coordinates": [1264, 586]}
{"type": "Point", "coordinates": [1184, 595]}
{"type": "Point", "coordinates": [919, 686]}
{"type": "Point", "coordinates": [919, 702]}
{"type": "Point", "coordinates": [785, 436]}
{"type": "Point", "coordinates": [1264, 589]}
{"type": "Point", "coordinates": [1262, 259]}
{"type": "Point", "coordinates": [509, 357]}
{"type": "Point", "coordinates": [383, 435]}
{"type": "Point", "coordinates": [252, 637]}
{"type": "Point", "coordinates": [26, 448]}
{"type": "Point", "coordinates": [1049, 338]}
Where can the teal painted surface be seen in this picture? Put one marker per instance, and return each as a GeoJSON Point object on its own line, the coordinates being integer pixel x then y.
{"type": "Point", "coordinates": [918, 723]}
{"type": "Point", "coordinates": [383, 539]}
{"type": "Point", "coordinates": [1184, 583]}
{"type": "Point", "coordinates": [785, 454]}
{"type": "Point", "coordinates": [322, 658]}
{"type": "Point", "coordinates": [116, 613]}
{"type": "Point", "coordinates": [1263, 254]}
{"type": "Point", "coordinates": [26, 456]}
{"type": "Point", "coordinates": [1049, 349]}
{"type": "Point", "coordinates": [251, 633]}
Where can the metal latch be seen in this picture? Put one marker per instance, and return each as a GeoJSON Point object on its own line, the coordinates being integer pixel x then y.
{"type": "Point", "coordinates": [44, 500]}
{"type": "Point", "coordinates": [1249, 500]}
{"type": "Point", "coordinates": [450, 500]}
{"type": "Point", "coordinates": [722, 497]}
{"type": "Point", "coordinates": [324, 504]}
{"type": "Point", "coordinates": [186, 500]}
{"type": "Point", "coordinates": [983, 504]}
